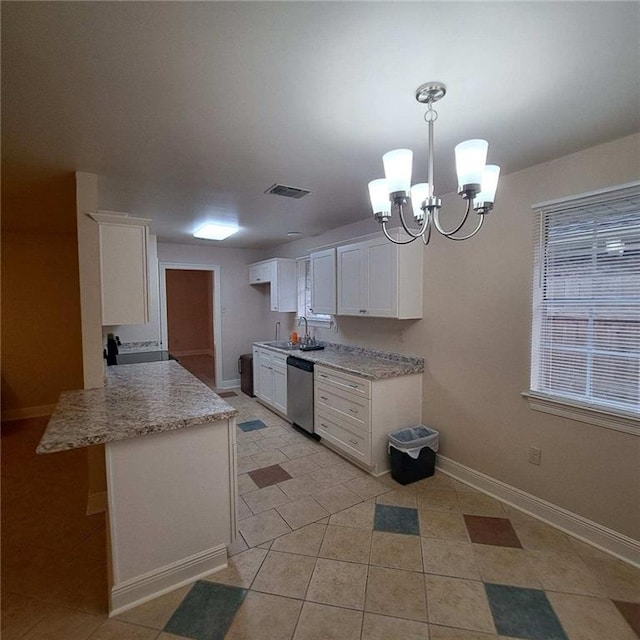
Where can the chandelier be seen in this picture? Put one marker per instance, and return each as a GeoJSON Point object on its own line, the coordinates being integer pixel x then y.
{"type": "Point", "coordinates": [477, 182]}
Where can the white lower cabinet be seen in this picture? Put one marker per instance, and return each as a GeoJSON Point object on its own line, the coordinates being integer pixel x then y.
{"type": "Point", "coordinates": [270, 378]}
{"type": "Point", "coordinates": [354, 415]}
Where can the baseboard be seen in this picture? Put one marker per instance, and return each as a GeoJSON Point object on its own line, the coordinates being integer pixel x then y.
{"type": "Point", "coordinates": [148, 586]}
{"type": "Point", "coordinates": [229, 384]}
{"type": "Point", "coordinates": [192, 352]}
{"type": "Point", "coordinates": [96, 503]}
{"type": "Point", "coordinates": [28, 412]}
{"type": "Point", "coordinates": [605, 539]}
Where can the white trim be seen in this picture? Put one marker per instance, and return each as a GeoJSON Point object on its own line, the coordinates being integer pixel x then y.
{"type": "Point", "coordinates": [96, 503]}
{"type": "Point", "coordinates": [597, 535]}
{"type": "Point", "coordinates": [217, 308]}
{"type": "Point", "coordinates": [626, 423]}
{"type": "Point", "coordinates": [148, 586]}
{"type": "Point", "coordinates": [28, 412]}
{"type": "Point", "coordinates": [234, 383]}
{"type": "Point", "coordinates": [562, 203]}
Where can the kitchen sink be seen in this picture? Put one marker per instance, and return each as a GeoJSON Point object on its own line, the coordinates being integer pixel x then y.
{"type": "Point", "coordinates": [282, 344]}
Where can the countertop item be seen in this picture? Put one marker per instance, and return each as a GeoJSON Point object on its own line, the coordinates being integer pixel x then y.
{"type": "Point", "coordinates": [368, 363]}
{"type": "Point", "coordinates": [137, 400]}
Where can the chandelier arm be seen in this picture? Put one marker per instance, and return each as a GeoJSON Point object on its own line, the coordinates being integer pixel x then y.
{"type": "Point", "coordinates": [427, 235]}
{"type": "Point", "coordinates": [470, 235]}
{"type": "Point", "coordinates": [386, 233]}
{"type": "Point", "coordinates": [405, 226]}
{"type": "Point", "coordinates": [449, 233]}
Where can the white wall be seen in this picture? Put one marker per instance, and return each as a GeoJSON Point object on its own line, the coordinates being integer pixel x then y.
{"type": "Point", "coordinates": [475, 339]}
{"type": "Point", "coordinates": [244, 308]}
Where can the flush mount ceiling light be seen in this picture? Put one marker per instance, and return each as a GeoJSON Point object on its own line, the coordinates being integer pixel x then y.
{"type": "Point", "coordinates": [477, 182]}
{"type": "Point", "coordinates": [215, 231]}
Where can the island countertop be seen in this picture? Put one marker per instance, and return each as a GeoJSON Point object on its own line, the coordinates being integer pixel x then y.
{"type": "Point", "coordinates": [359, 361]}
{"type": "Point", "coordinates": [137, 399]}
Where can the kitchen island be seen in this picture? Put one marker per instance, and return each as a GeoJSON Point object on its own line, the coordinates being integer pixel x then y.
{"type": "Point", "coordinates": [170, 465]}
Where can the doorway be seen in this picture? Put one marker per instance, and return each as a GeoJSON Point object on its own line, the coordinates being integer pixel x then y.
{"type": "Point", "coordinates": [190, 318]}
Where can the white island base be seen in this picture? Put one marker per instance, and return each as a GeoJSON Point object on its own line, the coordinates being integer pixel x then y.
{"type": "Point", "coordinates": [171, 510]}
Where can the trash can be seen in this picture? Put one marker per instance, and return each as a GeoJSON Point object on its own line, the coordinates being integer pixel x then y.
{"type": "Point", "coordinates": [413, 453]}
{"type": "Point", "coordinates": [245, 369]}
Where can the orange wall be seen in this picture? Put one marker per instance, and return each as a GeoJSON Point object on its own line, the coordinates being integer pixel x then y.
{"type": "Point", "coordinates": [41, 339]}
{"type": "Point", "coordinates": [189, 311]}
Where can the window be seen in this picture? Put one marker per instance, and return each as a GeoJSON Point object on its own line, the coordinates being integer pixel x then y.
{"type": "Point", "coordinates": [586, 305]}
{"type": "Point", "coordinates": [304, 296]}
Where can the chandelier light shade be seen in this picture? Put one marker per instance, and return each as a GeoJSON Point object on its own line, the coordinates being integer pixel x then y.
{"type": "Point", "coordinates": [489, 186]}
{"type": "Point", "coordinates": [379, 195]}
{"type": "Point", "coordinates": [471, 157]}
{"type": "Point", "coordinates": [477, 183]}
{"type": "Point", "coordinates": [397, 171]}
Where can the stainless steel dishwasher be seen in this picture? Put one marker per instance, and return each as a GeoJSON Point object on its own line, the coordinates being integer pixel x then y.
{"type": "Point", "coordinates": [300, 392]}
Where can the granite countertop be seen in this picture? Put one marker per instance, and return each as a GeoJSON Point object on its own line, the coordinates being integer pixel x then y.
{"type": "Point", "coordinates": [138, 399]}
{"type": "Point", "coordinates": [367, 363]}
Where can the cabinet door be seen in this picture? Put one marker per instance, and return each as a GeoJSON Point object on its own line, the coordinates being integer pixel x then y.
{"type": "Point", "coordinates": [323, 281]}
{"type": "Point", "coordinates": [265, 373]}
{"type": "Point", "coordinates": [256, 371]}
{"type": "Point", "coordinates": [260, 273]}
{"type": "Point", "coordinates": [351, 280]}
{"type": "Point", "coordinates": [382, 278]}
{"type": "Point", "coordinates": [280, 388]}
{"type": "Point", "coordinates": [123, 264]}
{"type": "Point", "coordinates": [284, 286]}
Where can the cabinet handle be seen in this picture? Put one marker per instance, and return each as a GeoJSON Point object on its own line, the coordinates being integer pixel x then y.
{"type": "Point", "coordinates": [310, 309]}
{"type": "Point", "coordinates": [322, 424]}
{"type": "Point", "coordinates": [353, 386]}
{"type": "Point", "coordinates": [352, 441]}
{"type": "Point", "coordinates": [363, 311]}
{"type": "Point", "coordinates": [323, 398]}
{"type": "Point", "coordinates": [353, 410]}
{"type": "Point", "coordinates": [322, 375]}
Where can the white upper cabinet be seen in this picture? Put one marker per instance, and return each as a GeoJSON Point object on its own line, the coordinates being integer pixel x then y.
{"type": "Point", "coordinates": [377, 278]}
{"type": "Point", "coordinates": [123, 268]}
{"type": "Point", "coordinates": [323, 281]}
{"type": "Point", "coordinates": [280, 273]}
{"type": "Point", "coordinates": [260, 273]}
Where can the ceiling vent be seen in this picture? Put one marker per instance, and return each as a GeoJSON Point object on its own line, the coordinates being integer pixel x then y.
{"type": "Point", "coordinates": [287, 192]}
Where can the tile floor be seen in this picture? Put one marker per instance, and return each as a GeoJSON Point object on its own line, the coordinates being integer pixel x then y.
{"type": "Point", "coordinates": [325, 552]}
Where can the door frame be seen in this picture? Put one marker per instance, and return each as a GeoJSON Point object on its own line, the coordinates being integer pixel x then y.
{"type": "Point", "coordinates": [217, 309]}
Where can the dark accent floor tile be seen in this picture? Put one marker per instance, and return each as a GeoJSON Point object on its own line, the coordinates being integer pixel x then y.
{"type": "Point", "coordinates": [495, 531]}
{"type": "Point", "coordinates": [396, 520]}
{"type": "Point", "coordinates": [269, 475]}
{"type": "Point", "coordinates": [227, 394]}
{"type": "Point", "coordinates": [206, 611]}
{"type": "Point", "coordinates": [251, 425]}
{"type": "Point", "coordinates": [523, 613]}
{"type": "Point", "coordinates": [631, 613]}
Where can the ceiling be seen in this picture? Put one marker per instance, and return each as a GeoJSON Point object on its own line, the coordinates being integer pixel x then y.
{"type": "Point", "coordinates": [189, 111]}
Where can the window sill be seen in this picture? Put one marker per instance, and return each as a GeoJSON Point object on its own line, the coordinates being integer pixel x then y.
{"type": "Point", "coordinates": [624, 422]}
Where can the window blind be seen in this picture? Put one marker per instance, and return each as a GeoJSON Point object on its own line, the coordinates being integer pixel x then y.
{"type": "Point", "coordinates": [586, 300]}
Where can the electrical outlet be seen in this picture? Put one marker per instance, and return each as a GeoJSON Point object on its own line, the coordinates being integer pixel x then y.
{"type": "Point", "coordinates": [535, 454]}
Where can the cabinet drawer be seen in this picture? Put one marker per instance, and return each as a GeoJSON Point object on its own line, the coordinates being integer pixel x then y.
{"type": "Point", "coordinates": [352, 441]}
{"type": "Point", "coordinates": [279, 360]}
{"type": "Point", "coordinates": [344, 405]}
{"type": "Point", "coordinates": [354, 384]}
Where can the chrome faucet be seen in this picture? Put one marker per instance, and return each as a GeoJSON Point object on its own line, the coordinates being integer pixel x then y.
{"type": "Point", "coordinates": [306, 338]}
{"type": "Point", "coordinates": [277, 330]}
